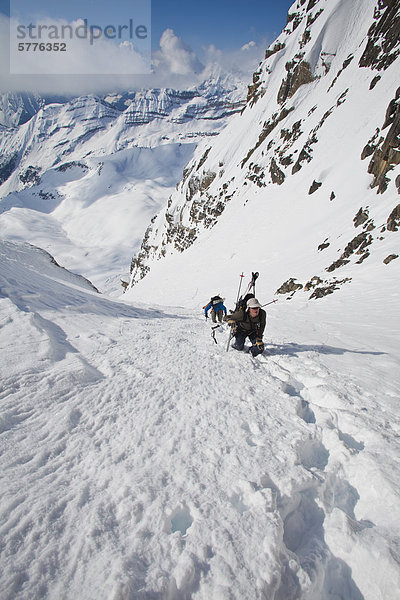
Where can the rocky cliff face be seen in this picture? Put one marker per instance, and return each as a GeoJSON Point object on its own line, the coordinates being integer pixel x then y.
{"type": "Point", "coordinates": [323, 100]}
{"type": "Point", "coordinates": [16, 109]}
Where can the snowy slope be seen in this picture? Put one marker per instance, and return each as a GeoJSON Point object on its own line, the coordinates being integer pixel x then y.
{"type": "Point", "coordinates": [90, 173]}
{"type": "Point", "coordinates": [280, 188]}
{"type": "Point", "coordinates": [141, 460]}
{"type": "Point", "coordinates": [16, 109]}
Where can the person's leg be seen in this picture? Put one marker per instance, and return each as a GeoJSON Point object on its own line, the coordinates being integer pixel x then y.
{"type": "Point", "coordinates": [239, 340]}
{"type": "Point", "coordinates": [214, 320]}
{"type": "Point", "coordinates": [254, 349]}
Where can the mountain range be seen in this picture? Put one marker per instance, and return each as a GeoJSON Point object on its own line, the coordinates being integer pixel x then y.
{"type": "Point", "coordinates": [77, 159]}
{"type": "Point", "coordinates": [143, 457]}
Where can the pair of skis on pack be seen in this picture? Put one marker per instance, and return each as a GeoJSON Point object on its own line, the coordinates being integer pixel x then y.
{"type": "Point", "coordinates": [250, 288]}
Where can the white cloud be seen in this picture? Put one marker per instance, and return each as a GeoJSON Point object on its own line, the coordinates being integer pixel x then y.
{"type": "Point", "coordinates": [248, 46]}
{"type": "Point", "coordinates": [59, 47]}
{"type": "Point", "coordinates": [174, 65]}
{"type": "Point", "coordinates": [176, 56]}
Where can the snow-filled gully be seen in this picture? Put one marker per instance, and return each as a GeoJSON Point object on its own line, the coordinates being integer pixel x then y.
{"type": "Point", "coordinates": [144, 461]}
{"type": "Point", "coordinates": [303, 513]}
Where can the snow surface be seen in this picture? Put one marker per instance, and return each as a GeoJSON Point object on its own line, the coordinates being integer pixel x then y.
{"type": "Point", "coordinates": [139, 459]}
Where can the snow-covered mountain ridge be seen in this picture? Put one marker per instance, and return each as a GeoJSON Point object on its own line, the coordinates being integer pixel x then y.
{"type": "Point", "coordinates": [316, 149]}
{"type": "Point", "coordinates": [91, 172]}
{"type": "Point", "coordinates": [138, 458]}
{"type": "Point", "coordinates": [58, 130]}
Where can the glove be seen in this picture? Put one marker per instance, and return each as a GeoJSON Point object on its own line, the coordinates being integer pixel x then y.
{"type": "Point", "coordinates": [206, 317]}
{"type": "Point", "coordinates": [260, 344]}
{"type": "Point", "coordinates": [231, 322]}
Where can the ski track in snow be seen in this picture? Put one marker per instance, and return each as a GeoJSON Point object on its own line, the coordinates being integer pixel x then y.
{"type": "Point", "coordinates": [141, 460]}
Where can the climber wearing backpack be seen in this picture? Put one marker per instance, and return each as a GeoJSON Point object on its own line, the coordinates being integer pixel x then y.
{"type": "Point", "coordinates": [217, 307]}
{"type": "Point", "coordinates": [248, 321]}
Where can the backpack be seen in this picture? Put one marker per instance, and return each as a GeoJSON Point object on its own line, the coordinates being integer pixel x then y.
{"type": "Point", "coordinates": [214, 300]}
{"type": "Point", "coordinates": [242, 303]}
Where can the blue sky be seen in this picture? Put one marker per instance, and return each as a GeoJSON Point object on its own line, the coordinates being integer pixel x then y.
{"type": "Point", "coordinates": [186, 35]}
{"type": "Point", "coordinates": [227, 24]}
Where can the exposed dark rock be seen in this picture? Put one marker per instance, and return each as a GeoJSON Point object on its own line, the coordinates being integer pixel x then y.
{"type": "Point", "coordinates": [314, 281]}
{"type": "Point", "coordinates": [256, 175]}
{"type": "Point", "coordinates": [203, 159]}
{"type": "Point", "coordinates": [342, 98]}
{"type": "Point", "coordinates": [358, 245]}
{"type": "Point", "coordinates": [70, 165]}
{"type": "Point", "coordinates": [387, 155]}
{"type": "Point", "coordinates": [332, 196]}
{"type": "Point", "coordinates": [322, 291]}
{"type": "Point", "coordinates": [305, 154]}
{"type": "Point", "coordinates": [360, 242]}
{"type": "Point", "coordinates": [363, 257]}
{"type": "Point", "coordinates": [254, 91]}
{"type": "Point", "coordinates": [338, 263]}
{"type": "Point", "coordinates": [368, 150]}
{"type": "Point", "coordinates": [383, 37]}
{"type": "Point", "coordinates": [277, 175]}
{"type": "Point", "coordinates": [298, 75]}
{"type": "Point", "coordinates": [199, 183]}
{"type": "Point", "coordinates": [369, 226]}
{"type": "Point", "coordinates": [289, 286]}
{"type": "Point", "coordinates": [306, 37]}
{"type": "Point", "coordinates": [345, 64]}
{"type": "Point", "coordinates": [274, 50]}
{"type": "Point", "coordinates": [268, 127]}
{"type": "Point", "coordinates": [389, 258]}
{"type": "Point", "coordinates": [312, 18]}
{"type": "Point", "coordinates": [138, 266]}
{"type": "Point", "coordinates": [7, 167]}
{"type": "Point", "coordinates": [186, 172]}
{"type": "Point", "coordinates": [374, 82]}
{"type": "Point", "coordinates": [393, 221]}
{"type": "Point", "coordinates": [397, 182]}
{"type": "Point", "coordinates": [46, 195]}
{"type": "Point", "coordinates": [293, 133]}
{"type": "Point", "coordinates": [361, 217]}
{"type": "Point", "coordinates": [286, 160]}
{"type": "Point", "coordinates": [30, 176]}
{"type": "Point", "coordinates": [324, 245]}
{"type": "Point", "coordinates": [311, 4]}
{"type": "Point", "coordinates": [294, 18]}
{"type": "Point", "coordinates": [314, 187]}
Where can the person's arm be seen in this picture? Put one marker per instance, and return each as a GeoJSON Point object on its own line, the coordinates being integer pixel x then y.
{"type": "Point", "coordinates": [237, 316]}
{"type": "Point", "coordinates": [263, 322]}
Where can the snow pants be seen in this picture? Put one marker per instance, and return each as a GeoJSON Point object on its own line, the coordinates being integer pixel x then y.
{"type": "Point", "coordinates": [240, 337]}
{"type": "Point", "coordinates": [214, 315]}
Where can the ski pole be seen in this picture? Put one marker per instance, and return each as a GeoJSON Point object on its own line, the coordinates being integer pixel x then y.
{"type": "Point", "coordinates": [240, 285]}
{"type": "Point", "coordinates": [272, 302]}
{"type": "Point", "coordinates": [237, 300]}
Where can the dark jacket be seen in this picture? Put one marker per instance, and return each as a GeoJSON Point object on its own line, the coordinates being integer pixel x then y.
{"type": "Point", "coordinates": [249, 325]}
